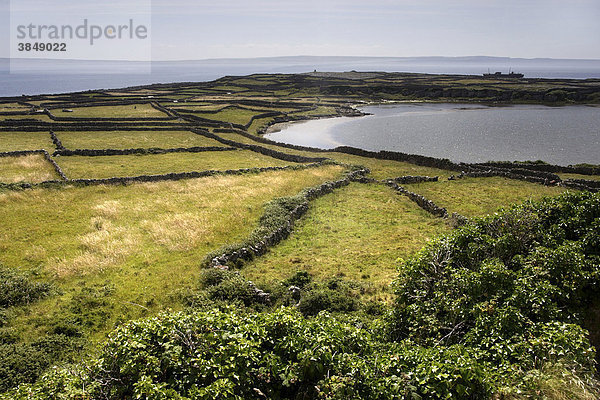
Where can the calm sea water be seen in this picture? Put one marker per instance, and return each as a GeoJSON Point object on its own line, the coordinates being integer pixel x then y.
{"type": "Point", "coordinates": [462, 132]}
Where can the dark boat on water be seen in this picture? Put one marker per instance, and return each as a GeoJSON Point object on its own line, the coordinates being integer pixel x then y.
{"type": "Point", "coordinates": [498, 74]}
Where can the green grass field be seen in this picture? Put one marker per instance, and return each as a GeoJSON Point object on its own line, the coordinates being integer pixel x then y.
{"type": "Point", "coordinates": [133, 139]}
{"type": "Point", "coordinates": [480, 196]}
{"type": "Point", "coordinates": [146, 240]}
{"type": "Point", "coordinates": [37, 117]}
{"type": "Point", "coordinates": [579, 176]}
{"type": "Point", "coordinates": [128, 111]}
{"type": "Point", "coordinates": [358, 232]}
{"type": "Point", "coordinates": [77, 167]}
{"type": "Point", "coordinates": [10, 107]}
{"type": "Point", "coordinates": [234, 115]}
{"type": "Point", "coordinates": [19, 141]}
{"type": "Point", "coordinates": [196, 106]}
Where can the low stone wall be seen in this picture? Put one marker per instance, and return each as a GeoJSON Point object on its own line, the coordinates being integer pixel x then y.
{"type": "Point", "coordinates": [255, 246]}
{"type": "Point", "coordinates": [421, 201]}
{"type": "Point", "coordinates": [86, 101]}
{"type": "Point", "coordinates": [34, 125]}
{"type": "Point", "coordinates": [165, 110]}
{"type": "Point", "coordinates": [432, 162]}
{"type": "Point", "coordinates": [125, 152]}
{"type": "Point", "coordinates": [582, 184]}
{"type": "Point", "coordinates": [209, 122]}
{"type": "Point", "coordinates": [57, 143]}
{"type": "Point", "coordinates": [56, 167]}
{"type": "Point", "coordinates": [415, 179]}
{"type": "Point", "coordinates": [261, 139]}
{"type": "Point", "coordinates": [13, 113]}
{"type": "Point", "coordinates": [550, 180]}
{"type": "Point", "coordinates": [138, 120]}
{"type": "Point", "coordinates": [152, 178]}
{"type": "Point", "coordinates": [263, 115]}
{"type": "Point", "coordinates": [518, 171]}
{"type": "Point", "coordinates": [19, 153]}
{"type": "Point", "coordinates": [586, 182]}
{"type": "Point", "coordinates": [258, 149]}
{"type": "Point", "coordinates": [582, 170]}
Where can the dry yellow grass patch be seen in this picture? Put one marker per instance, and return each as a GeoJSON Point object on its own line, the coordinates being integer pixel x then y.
{"type": "Point", "coordinates": [30, 168]}
{"type": "Point", "coordinates": [113, 230]}
{"type": "Point", "coordinates": [179, 232]}
{"type": "Point", "coordinates": [108, 209]}
{"type": "Point", "coordinates": [103, 247]}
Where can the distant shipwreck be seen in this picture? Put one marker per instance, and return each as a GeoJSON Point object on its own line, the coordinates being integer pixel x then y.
{"type": "Point", "coordinates": [499, 74]}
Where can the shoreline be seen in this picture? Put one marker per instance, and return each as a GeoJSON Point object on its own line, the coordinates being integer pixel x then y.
{"type": "Point", "coordinates": [321, 137]}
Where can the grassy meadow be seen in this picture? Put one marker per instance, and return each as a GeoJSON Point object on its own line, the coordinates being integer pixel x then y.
{"type": "Point", "coordinates": [82, 167]}
{"type": "Point", "coordinates": [145, 240]}
{"type": "Point", "coordinates": [118, 111]}
{"type": "Point", "coordinates": [133, 139]}
{"type": "Point", "coordinates": [359, 232]}
{"type": "Point", "coordinates": [473, 197]}
{"type": "Point", "coordinates": [19, 141]}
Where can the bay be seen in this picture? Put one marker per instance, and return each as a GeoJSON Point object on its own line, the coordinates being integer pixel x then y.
{"type": "Point", "coordinates": [462, 132]}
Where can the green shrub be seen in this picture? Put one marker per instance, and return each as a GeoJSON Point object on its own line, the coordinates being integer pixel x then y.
{"type": "Point", "coordinates": [300, 279]}
{"type": "Point", "coordinates": [279, 355]}
{"type": "Point", "coordinates": [17, 289]}
{"type": "Point", "coordinates": [320, 299]}
{"type": "Point", "coordinates": [514, 286]}
{"type": "Point", "coordinates": [25, 362]}
{"type": "Point", "coordinates": [230, 286]}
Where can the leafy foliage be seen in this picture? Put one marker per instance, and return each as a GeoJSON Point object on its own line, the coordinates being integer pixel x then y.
{"type": "Point", "coordinates": [25, 362]}
{"type": "Point", "coordinates": [278, 355]}
{"type": "Point", "coordinates": [514, 286]}
{"type": "Point", "coordinates": [16, 288]}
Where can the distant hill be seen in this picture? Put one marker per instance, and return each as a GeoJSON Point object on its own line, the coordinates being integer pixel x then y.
{"type": "Point", "coordinates": [73, 75]}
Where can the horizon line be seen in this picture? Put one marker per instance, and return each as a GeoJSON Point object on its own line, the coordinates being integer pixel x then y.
{"type": "Point", "coordinates": [305, 56]}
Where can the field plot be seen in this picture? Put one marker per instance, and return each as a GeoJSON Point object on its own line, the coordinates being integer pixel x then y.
{"type": "Point", "coordinates": [357, 232]}
{"type": "Point", "coordinates": [31, 168]}
{"type": "Point", "coordinates": [19, 141]}
{"type": "Point", "coordinates": [258, 124]}
{"type": "Point", "coordinates": [125, 111]}
{"type": "Point", "coordinates": [193, 106]}
{"type": "Point", "coordinates": [145, 240]}
{"type": "Point", "coordinates": [36, 117]}
{"type": "Point", "coordinates": [10, 107]}
{"type": "Point", "coordinates": [234, 115]}
{"type": "Point", "coordinates": [133, 139]}
{"type": "Point", "coordinates": [579, 176]}
{"type": "Point", "coordinates": [380, 169]}
{"type": "Point", "coordinates": [480, 196]}
{"type": "Point", "coordinates": [77, 167]}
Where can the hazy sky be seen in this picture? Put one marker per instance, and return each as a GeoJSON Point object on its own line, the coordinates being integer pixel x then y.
{"type": "Point", "coordinates": [197, 29]}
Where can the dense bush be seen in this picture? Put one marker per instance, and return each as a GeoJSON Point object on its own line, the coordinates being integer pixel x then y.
{"type": "Point", "coordinates": [335, 295]}
{"type": "Point", "coordinates": [279, 355]}
{"type": "Point", "coordinates": [514, 286]}
{"type": "Point", "coordinates": [230, 286]}
{"type": "Point", "coordinates": [16, 288]}
{"type": "Point", "coordinates": [25, 362]}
